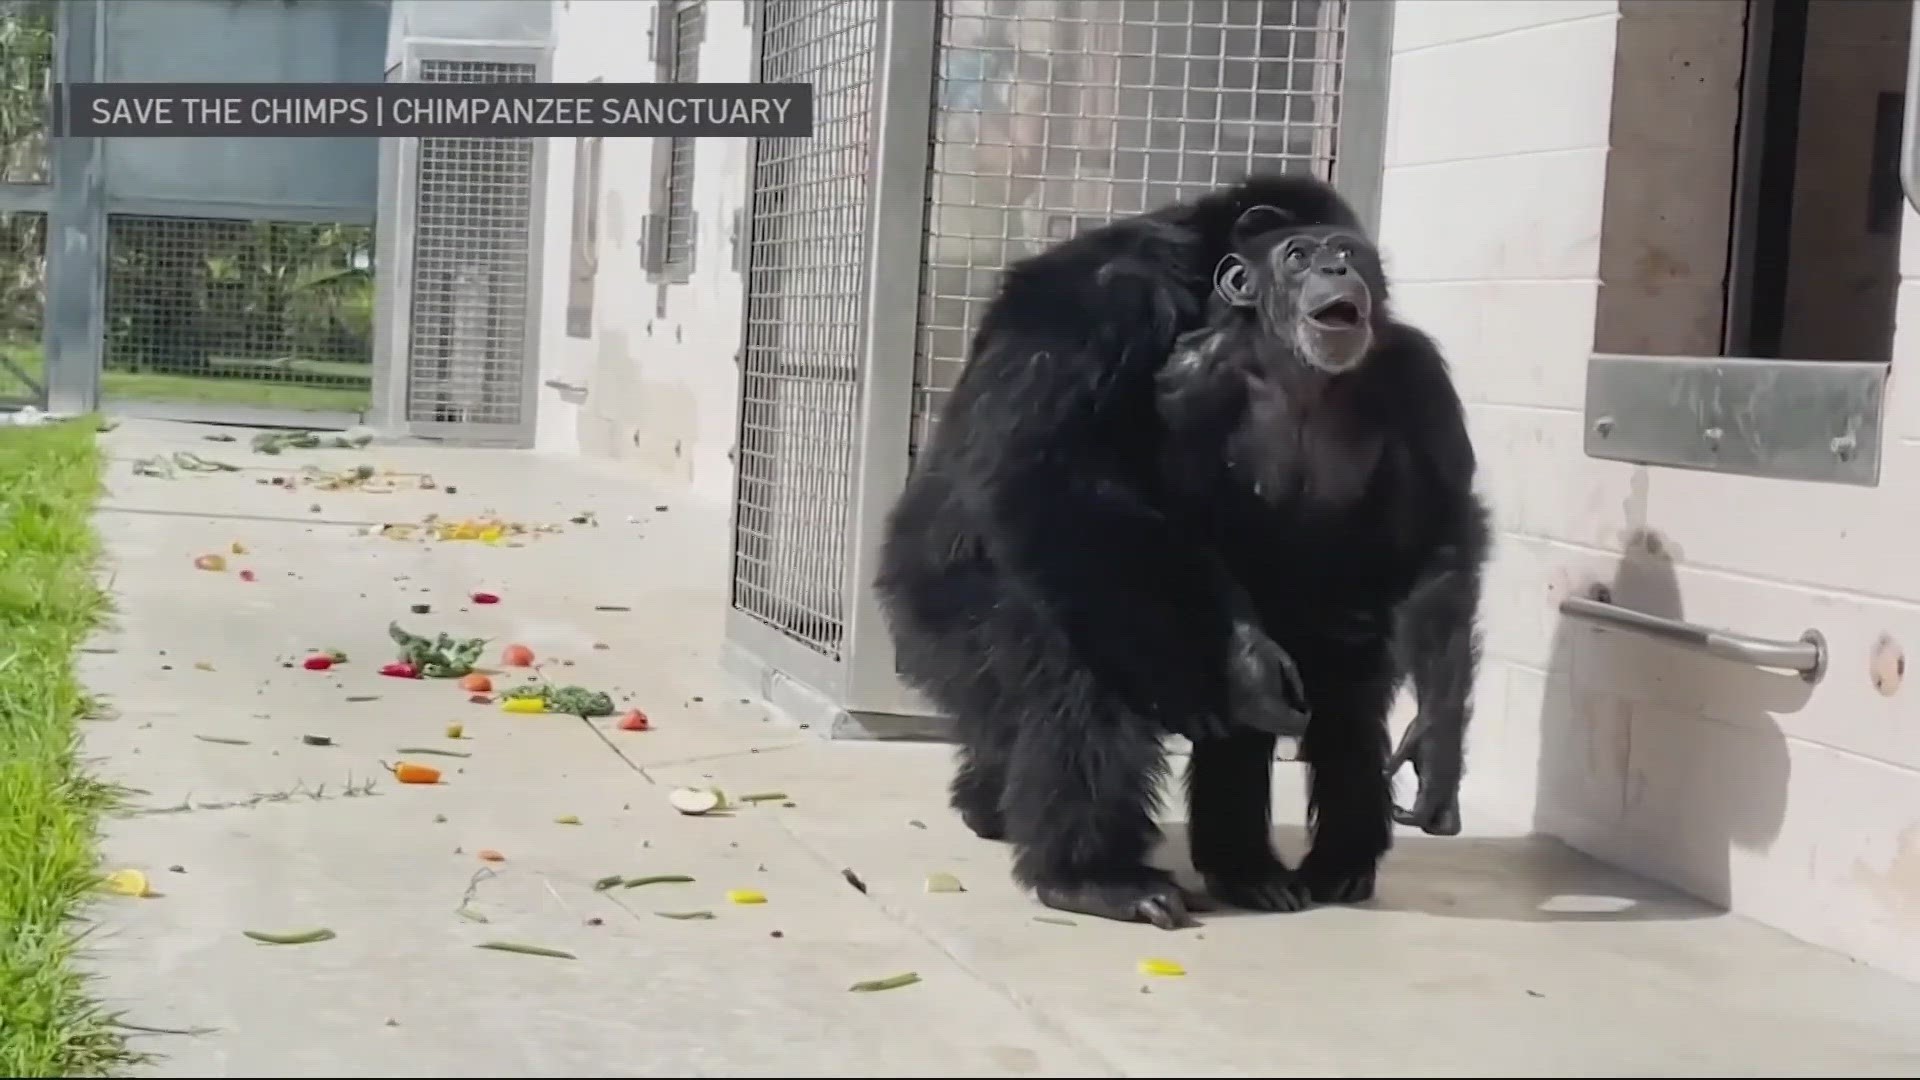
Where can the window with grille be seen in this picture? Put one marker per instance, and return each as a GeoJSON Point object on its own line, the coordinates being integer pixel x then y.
{"type": "Point", "coordinates": [585, 261]}
{"type": "Point", "coordinates": [677, 38]}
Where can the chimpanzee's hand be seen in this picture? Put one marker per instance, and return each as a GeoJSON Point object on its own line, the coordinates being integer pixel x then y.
{"type": "Point", "coordinates": [1264, 691]}
{"type": "Point", "coordinates": [1436, 752]}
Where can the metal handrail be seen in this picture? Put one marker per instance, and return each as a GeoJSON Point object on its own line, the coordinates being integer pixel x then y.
{"type": "Point", "coordinates": [1808, 655]}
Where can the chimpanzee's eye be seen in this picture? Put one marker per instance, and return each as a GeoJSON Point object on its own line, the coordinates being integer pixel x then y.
{"type": "Point", "coordinates": [1296, 257]}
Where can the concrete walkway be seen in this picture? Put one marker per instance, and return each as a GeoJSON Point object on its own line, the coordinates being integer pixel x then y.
{"type": "Point", "coordinates": [1488, 955]}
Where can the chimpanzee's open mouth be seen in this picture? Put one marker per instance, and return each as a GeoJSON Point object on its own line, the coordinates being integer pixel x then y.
{"type": "Point", "coordinates": [1336, 315]}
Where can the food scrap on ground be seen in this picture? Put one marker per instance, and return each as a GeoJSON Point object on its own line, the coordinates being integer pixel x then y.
{"type": "Point", "coordinates": [516, 656]}
{"type": "Point", "coordinates": [317, 740]}
{"type": "Point", "coordinates": [215, 563]}
{"type": "Point", "coordinates": [566, 700]}
{"type": "Point", "coordinates": [564, 819]}
{"type": "Point", "coordinates": [746, 896]}
{"type": "Point", "coordinates": [166, 467]}
{"type": "Point", "coordinates": [476, 683]}
{"type": "Point", "coordinates": [518, 704]}
{"type": "Point", "coordinates": [317, 662]}
{"type": "Point", "coordinates": [764, 796]}
{"type": "Point", "coordinates": [942, 882]}
{"type": "Point", "coordinates": [223, 740]}
{"type": "Point", "coordinates": [456, 731]}
{"type": "Point", "coordinates": [273, 442]}
{"type": "Point", "coordinates": [295, 937]}
{"type": "Point", "coordinates": [891, 982]}
{"type": "Point", "coordinates": [661, 879]}
{"type": "Point", "coordinates": [1161, 967]}
{"type": "Point", "coordinates": [489, 855]}
{"type": "Point", "coordinates": [635, 720]}
{"type": "Point", "coordinates": [485, 598]}
{"type": "Point", "coordinates": [409, 772]}
{"type": "Point", "coordinates": [695, 801]}
{"type": "Point", "coordinates": [526, 950]}
{"type": "Point", "coordinates": [440, 657]}
{"type": "Point", "coordinates": [685, 916]}
{"type": "Point", "coordinates": [129, 883]}
{"type": "Point", "coordinates": [433, 750]}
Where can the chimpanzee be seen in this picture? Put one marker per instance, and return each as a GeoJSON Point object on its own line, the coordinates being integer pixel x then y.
{"type": "Point", "coordinates": [1194, 479]}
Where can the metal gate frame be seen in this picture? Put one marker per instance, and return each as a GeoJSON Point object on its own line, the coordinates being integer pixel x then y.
{"type": "Point", "coordinates": [859, 694]}
{"type": "Point", "coordinates": [395, 258]}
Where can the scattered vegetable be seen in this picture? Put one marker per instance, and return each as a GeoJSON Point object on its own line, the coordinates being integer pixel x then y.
{"type": "Point", "coordinates": [246, 575]}
{"type": "Point", "coordinates": [432, 750]}
{"type": "Point", "coordinates": [489, 855]}
{"type": "Point", "coordinates": [237, 548]}
{"type": "Point", "coordinates": [400, 669]}
{"type": "Point", "coordinates": [295, 937]}
{"type": "Point", "coordinates": [317, 740]}
{"type": "Point", "coordinates": [569, 700]}
{"type": "Point", "coordinates": [215, 563]}
{"type": "Point", "coordinates": [685, 916]}
{"type": "Point", "coordinates": [202, 665]}
{"type": "Point", "coordinates": [476, 682]}
{"type": "Point", "coordinates": [1161, 967]}
{"type": "Point", "coordinates": [485, 598]}
{"type": "Point", "coordinates": [891, 982]}
{"type": "Point", "coordinates": [635, 720]}
{"type": "Point", "coordinates": [440, 657]}
{"type": "Point", "coordinates": [526, 950]}
{"type": "Point", "coordinates": [942, 882]}
{"type": "Point", "coordinates": [746, 896]}
{"type": "Point", "coordinates": [408, 772]}
{"type": "Point", "coordinates": [223, 740]}
{"type": "Point", "coordinates": [129, 883]}
{"type": "Point", "coordinates": [469, 914]}
{"type": "Point", "coordinates": [567, 819]}
{"type": "Point", "coordinates": [1055, 920]}
{"type": "Point", "coordinates": [694, 801]}
{"type": "Point", "coordinates": [660, 879]}
{"type": "Point", "coordinates": [317, 662]}
{"type": "Point", "coordinates": [523, 705]}
{"type": "Point", "coordinates": [764, 796]}
{"type": "Point", "coordinates": [611, 881]}
{"type": "Point", "coordinates": [853, 879]}
{"type": "Point", "coordinates": [516, 656]}
{"type": "Point", "coordinates": [272, 442]}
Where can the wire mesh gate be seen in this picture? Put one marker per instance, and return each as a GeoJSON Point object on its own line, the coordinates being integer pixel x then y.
{"type": "Point", "coordinates": [461, 335]}
{"type": "Point", "coordinates": [955, 138]}
{"type": "Point", "coordinates": [27, 30]}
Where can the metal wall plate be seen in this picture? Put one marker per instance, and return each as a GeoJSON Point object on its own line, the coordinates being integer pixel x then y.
{"type": "Point", "coordinates": [1816, 420]}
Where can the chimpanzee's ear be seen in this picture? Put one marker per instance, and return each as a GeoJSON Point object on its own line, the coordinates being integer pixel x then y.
{"type": "Point", "coordinates": [1231, 281]}
{"type": "Point", "coordinates": [1255, 220]}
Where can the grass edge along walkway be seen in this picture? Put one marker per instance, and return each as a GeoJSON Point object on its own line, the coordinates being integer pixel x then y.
{"type": "Point", "coordinates": [50, 479]}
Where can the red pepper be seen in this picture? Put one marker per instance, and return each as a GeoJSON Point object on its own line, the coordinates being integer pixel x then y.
{"type": "Point", "coordinates": [635, 720]}
{"type": "Point", "coordinates": [246, 575]}
{"type": "Point", "coordinates": [400, 669]}
{"type": "Point", "coordinates": [485, 598]}
{"type": "Point", "coordinates": [317, 662]}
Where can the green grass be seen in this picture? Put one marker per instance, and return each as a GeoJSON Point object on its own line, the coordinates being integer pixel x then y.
{"type": "Point", "coordinates": [49, 479]}
{"type": "Point", "coordinates": [228, 382]}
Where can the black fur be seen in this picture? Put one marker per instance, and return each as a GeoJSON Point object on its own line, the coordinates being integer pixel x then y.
{"type": "Point", "coordinates": [1074, 570]}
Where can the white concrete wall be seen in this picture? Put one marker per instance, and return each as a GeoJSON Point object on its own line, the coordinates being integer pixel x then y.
{"type": "Point", "coordinates": [1507, 147]}
{"type": "Point", "coordinates": [661, 390]}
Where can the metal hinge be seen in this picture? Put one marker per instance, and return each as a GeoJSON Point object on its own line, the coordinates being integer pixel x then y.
{"type": "Point", "coordinates": [737, 241]}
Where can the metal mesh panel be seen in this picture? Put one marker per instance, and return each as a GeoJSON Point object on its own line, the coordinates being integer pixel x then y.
{"type": "Point", "coordinates": [23, 306]}
{"type": "Point", "coordinates": [232, 312]}
{"type": "Point", "coordinates": [1056, 115]}
{"type": "Point", "coordinates": [26, 64]}
{"type": "Point", "coordinates": [689, 18]}
{"type": "Point", "coordinates": [473, 217]}
{"type": "Point", "coordinates": [804, 287]}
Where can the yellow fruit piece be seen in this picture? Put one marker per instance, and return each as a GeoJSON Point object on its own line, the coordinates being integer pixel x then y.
{"type": "Point", "coordinates": [523, 705]}
{"type": "Point", "coordinates": [567, 819]}
{"type": "Point", "coordinates": [1161, 967]}
{"type": "Point", "coordinates": [129, 883]}
{"type": "Point", "coordinates": [454, 731]}
{"type": "Point", "coordinates": [746, 896]}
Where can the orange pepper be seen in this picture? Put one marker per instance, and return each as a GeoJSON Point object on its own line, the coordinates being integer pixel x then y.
{"type": "Point", "coordinates": [476, 682]}
{"type": "Point", "coordinates": [408, 772]}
